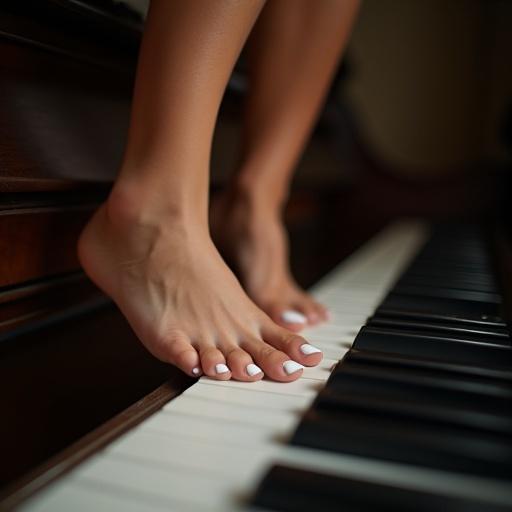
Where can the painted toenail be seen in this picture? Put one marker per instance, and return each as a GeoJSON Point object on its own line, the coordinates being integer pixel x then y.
{"type": "Point", "coordinates": [221, 368]}
{"type": "Point", "coordinates": [292, 367]}
{"type": "Point", "coordinates": [252, 370]}
{"type": "Point", "coordinates": [308, 349]}
{"type": "Point", "coordinates": [293, 317]}
{"type": "Point", "coordinates": [196, 371]}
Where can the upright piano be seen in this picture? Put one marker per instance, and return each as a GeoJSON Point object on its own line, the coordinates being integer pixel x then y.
{"type": "Point", "coordinates": [410, 408]}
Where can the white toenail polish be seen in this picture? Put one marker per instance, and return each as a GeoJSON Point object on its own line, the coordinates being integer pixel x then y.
{"type": "Point", "coordinates": [196, 371]}
{"type": "Point", "coordinates": [221, 368]}
{"type": "Point", "coordinates": [308, 349]}
{"type": "Point", "coordinates": [292, 367]}
{"type": "Point", "coordinates": [253, 370]}
{"type": "Point", "coordinates": [293, 317]}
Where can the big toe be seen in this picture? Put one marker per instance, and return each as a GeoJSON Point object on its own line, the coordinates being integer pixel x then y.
{"type": "Point", "coordinates": [293, 319]}
{"type": "Point", "coordinates": [295, 346]}
{"type": "Point", "coordinates": [276, 364]}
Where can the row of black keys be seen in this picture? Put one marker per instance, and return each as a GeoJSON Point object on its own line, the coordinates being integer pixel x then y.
{"type": "Point", "coordinates": [428, 382]}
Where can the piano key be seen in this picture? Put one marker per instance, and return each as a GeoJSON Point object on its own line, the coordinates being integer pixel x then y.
{"type": "Point", "coordinates": [437, 305]}
{"type": "Point", "coordinates": [84, 498]}
{"type": "Point", "coordinates": [176, 424]}
{"type": "Point", "coordinates": [300, 387]}
{"type": "Point", "coordinates": [441, 390]}
{"type": "Point", "coordinates": [483, 321]}
{"type": "Point", "coordinates": [288, 489]}
{"type": "Point", "coordinates": [263, 399]}
{"type": "Point", "coordinates": [205, 456]}
{"type": "Point", "coordinates": [429, 411]}
{"type": "Point", "coordinates": [434, 347]}
{"type": "Point", "coordinates": [446, 329]}
{"type": "Point", "coordinates": [174, 487]}
{"type": "Point", "coordinates": [219, 410]}
{"type": "Point", "coordinates": [449, 293]}
{"type": "Point", "coordinates": [429, 373]}
{"type": "Point", "coordinates": [411, 442]}
{"type": "Point", "coordinates": [478, 380]}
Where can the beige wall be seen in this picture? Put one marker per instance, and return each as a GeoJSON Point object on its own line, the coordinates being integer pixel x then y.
{"type": "Point", "coordinates": [430, 77]}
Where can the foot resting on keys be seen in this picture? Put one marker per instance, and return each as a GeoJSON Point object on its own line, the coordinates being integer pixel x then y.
{"type": "Point", "coordinates": [251, 234]}
{"type": "Point", "coordinates": [181, 299]}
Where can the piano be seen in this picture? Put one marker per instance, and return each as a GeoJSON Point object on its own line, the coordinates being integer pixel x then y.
{"type": "Point", "coordinates": [409, 410]}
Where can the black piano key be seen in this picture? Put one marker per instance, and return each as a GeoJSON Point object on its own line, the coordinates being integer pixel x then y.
{"type": "Point", "coordinates": [434, 347]}
{"type": "Point", "coordinates": [480, 322]}
{"type": "Point", "coordinates": [287, 489]}
{"type": "Point", "coordinates": [437, 275]}
{"type": "Point", "coordinates": [494, 382]}
{"type": "Point", "coordinates": [408, 405]}
{"type": "Point", "coordinates": [485, 322]}
{"type": "Point", "coordinates": [431, 386]}
{"type": "Point", "coordinates": [443, 306]}
{"type": "Point", "coordinates": [466, 332]}
{"type": "Point", "coordinates": [445, 282]}
{"type": "Point", "coordinates": [448, 293]}
{"type": "Point", "coordinates": [408, 441]}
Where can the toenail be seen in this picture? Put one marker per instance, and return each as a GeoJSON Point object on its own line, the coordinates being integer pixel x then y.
{"type": "Point", "coordinates": [293, 317]}
{"type": "Point", "coordinates": [221, 368]}
{"type": "Point", "coordinates": [292, 367]}
{"type": "Point", "coordinates": [252, 370]}
{"type": "Point", "coordinates": [196, 371]}
{"type": "Point", "coordinates": [308, 349]}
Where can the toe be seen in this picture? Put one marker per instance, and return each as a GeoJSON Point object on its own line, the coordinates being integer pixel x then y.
{"type": "Point", "coordinates": [214, 363]}
{"type": "Point", "coordinates": [297, 348]}
{"type": "Point", "coordinates": [242, 365]}
{"type": "Point", "coordinates": [178, 351]}
{"type": "Point", "coordinates": [276, 364]}
{"type": "Point", "coordinates": [292, 319]}
{"type": "Point", "coordinates": [322, 311]}
{"type": "Point", "coordinates": [310, 312]}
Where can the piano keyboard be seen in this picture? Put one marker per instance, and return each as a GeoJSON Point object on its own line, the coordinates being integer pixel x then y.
{"type": "Point", "coordinates": [210, 448]}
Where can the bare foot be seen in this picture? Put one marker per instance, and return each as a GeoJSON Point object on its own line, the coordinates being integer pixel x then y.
{"type": "Point", "coordinates": [254, 240]}
{"type": "Point", "coordinates": [182, 300]}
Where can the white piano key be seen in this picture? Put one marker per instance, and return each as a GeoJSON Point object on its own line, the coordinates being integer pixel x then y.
{"type": "Point", "coordinates": [300, 387]}
{"type": "Point", "coordinates": [178, 488]}
{"type": "Point", "coordinates": [240, 396]}
{"type": "Point", "coordinates": [334, 352]}
{"type": "Point", "coordinates": [218, 410]}
{"type": "Point", "coordinates": [205, 456]}
{"type": "Point", "coordinates": [82, 498]}
{"type": "Point", "coordinates": [200, 427]}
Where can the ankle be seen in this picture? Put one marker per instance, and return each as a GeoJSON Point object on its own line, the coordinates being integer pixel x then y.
{"type": "Point", "coordinates": [256, 197]}
{"type": "Point", "coordinates": [130, 205]}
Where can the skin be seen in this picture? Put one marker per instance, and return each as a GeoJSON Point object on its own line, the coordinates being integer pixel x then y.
{"type": "Point", "coordinates": [293, 52]}
{"type": "Point", "coordinates": [149, 246]}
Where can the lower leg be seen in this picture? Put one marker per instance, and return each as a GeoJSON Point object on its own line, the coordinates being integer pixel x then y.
{"type": "Point", "coordinates": [293, 52]}
{"type": "Point", "coordinates": [148, 246]}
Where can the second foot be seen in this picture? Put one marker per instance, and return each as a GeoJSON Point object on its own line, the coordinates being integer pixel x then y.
{"type": "Point", "coordinates": [184, 303]}
{"type": "Point", "coordinates": [255, 242]}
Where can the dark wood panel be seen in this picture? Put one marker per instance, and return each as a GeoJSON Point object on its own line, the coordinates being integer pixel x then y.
{"type": "Point", "coordinates": [60, 382]}
{"type": "Point", "coordinates": [38, 242]}
{"type": "Point", "coordinates": [62, 124]}
{"type": "Point", "coordinates": [26, 308]}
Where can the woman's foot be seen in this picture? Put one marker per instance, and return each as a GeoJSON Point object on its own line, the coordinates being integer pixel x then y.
{"type": "Point", "coordinates": [252, 237]}
{"type": "Point", "coordinates": [181, 299]}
